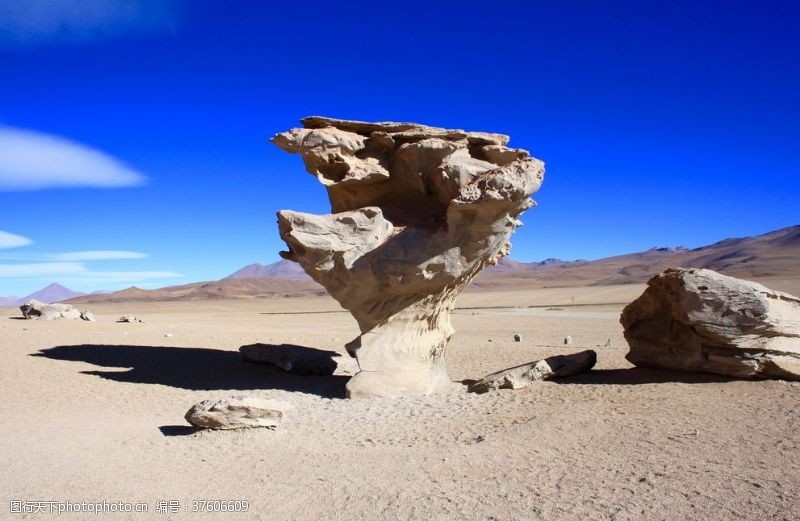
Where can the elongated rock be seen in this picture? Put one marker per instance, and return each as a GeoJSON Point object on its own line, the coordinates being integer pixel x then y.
{"type": "Point", "coordinates": [237, 412]}
{"type": "Point", "coordinates": [417, 212]}
{"type": "Point", "coordinates": [558, 366]}
{"type": "Point", "coordinates": [299, 359]}
{"type": "Point", "coordinates": [701, 320]}
{"type": "Point", "coordinates": [35, 310]}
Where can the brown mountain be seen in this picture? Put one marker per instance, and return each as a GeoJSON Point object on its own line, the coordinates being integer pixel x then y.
{"type": "Point", "coordinates": [283, 269]}
{"type": "Point", "coordinates": [774, 254]}
{"type": "Point", "coordinates": [243, 287]}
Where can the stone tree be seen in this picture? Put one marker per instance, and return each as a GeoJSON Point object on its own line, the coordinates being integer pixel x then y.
{"type": "Point", "coordinates": [418, 212]}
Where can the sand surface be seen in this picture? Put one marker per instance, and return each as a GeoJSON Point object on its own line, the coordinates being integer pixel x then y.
{"type": "Point", "coordinates": [94, 411]}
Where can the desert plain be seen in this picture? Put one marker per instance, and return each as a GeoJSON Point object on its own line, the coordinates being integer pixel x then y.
{"type": "Point", "coordinates": [94, 411]}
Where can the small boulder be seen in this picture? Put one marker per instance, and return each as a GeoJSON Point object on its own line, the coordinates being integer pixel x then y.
{"type": "Point", "coordinates": [517, 338]}
{"type": "Point", "coordinates": [524, 375]}
{"type": "Point", "coordinates": [130, 319]}
{"type": "Point", "coordinates": [567, 340]}
{"type": "Point", "coordinates": [88, 316]}
{"type": "Point", "coordinates": [299, 360]}
{"type": "Point", "coordinates": [34, 309]}
{"type": "Point", "coordinates": [237, 412]}
{"type": "Point", "coordinates": [700, 320]}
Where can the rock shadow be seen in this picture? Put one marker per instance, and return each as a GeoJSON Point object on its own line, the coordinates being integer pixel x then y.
{"type": "Point", "coordinates": [178, 430]}
{"type": "Point", "coordinates": [193, 368]}
{"type": "Point", "coordinates": [639, 376]}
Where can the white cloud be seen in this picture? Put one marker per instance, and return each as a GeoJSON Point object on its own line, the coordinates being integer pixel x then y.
{"type": "Point", "coordinates": [79, 272]}
{"type": "Point", "coordinates": [97, 255]}
{"type": "Point", "coordinates": [74, 256]}
{"type": "Point", "coordinates": [41, 269]}
{"type": "Point", "coordinates": [107, 277]}
{"type": "Point", "coordinates": [34, 21]}
{"type": "Point", "coordinates": [33, 161]}
{"type": "Point", "coordinates": [10, 240]}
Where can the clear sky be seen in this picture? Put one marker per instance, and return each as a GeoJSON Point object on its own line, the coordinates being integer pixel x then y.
{"type": "Point", "coordinates": [133, 134]}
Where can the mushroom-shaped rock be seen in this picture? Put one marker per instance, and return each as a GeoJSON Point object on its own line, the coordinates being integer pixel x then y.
{"type": "Point", "coordinates": [418, 211]}
{"type": "Point", "coordinates": [699, 320]}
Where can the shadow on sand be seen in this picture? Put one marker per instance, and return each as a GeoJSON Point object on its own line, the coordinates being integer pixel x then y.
{"type": "Point", "coordinates": [638, 376]}
{"type": "Point", "coordinates": [634, 376]}
{"type": "Point", "coordinates": [193, 368]}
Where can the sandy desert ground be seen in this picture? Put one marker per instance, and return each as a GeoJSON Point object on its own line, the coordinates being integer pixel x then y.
{"type": "Point", "coordinates": [94, 411]}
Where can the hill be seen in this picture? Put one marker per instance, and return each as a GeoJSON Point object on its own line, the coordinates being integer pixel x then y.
{"type": "Point", "coordinates": [774, 254]}
{"type": "Point", "coordinates": [52, 293]}
{"type": "Point", "coordinates": [243, 287]}
{"type": "Point", "coordinates": [282, 269]}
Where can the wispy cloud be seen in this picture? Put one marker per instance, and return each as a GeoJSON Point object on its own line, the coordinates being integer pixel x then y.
{"type": "Point", "coordinates": [97, 255]}
{"type": "Point", "coordinates": [74, 256]}
{"type": "Point", "coordinates": [37, 21]}
{"type": "Point", "coordinates": [65, 271]}
{"type": "Point", "coordinates": [10, 240]}
{"type": "Point", "coordinates": [42, 269]}
{"type": "Point", "coordinates": [33, 161]}
{"type": "Point", "coordinates": [115, 277]}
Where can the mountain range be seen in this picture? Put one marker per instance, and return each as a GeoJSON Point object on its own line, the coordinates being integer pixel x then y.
{"type": "Point", "coordinates": [53, 293]}
{"type": "Point", "coordinates": [774, 254]}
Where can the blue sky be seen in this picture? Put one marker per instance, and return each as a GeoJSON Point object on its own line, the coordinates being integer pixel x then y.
{"type": "Point", "coordinates": [133, 135]}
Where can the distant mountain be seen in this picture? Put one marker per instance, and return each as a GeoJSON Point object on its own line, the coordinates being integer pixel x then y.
{"type": "Point", "coordinates": [8, 301]}
{"type": "Point", "coordinates": [282, 269]}
{"type": "Point", "coordinates": [241, 287]}
{"type": "Point", "coordinates": [773, 254]}
{"type": "Point", "coordinates": [53, 293]}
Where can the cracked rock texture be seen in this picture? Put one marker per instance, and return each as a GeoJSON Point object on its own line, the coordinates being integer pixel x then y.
{"type": "Point", "coordinates": [701, 320]}
{"type": "Point", "coordinates": [418, 211]}
{"type": "Point", "coordinates": [237, 412]}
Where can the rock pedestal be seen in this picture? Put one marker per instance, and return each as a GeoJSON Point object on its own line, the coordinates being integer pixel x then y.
{"type": "Point", "coordinates": [417, 212]}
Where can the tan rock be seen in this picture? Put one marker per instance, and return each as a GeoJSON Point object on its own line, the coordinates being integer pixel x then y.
{"type": "Point", "coordinates": [237, 412]}
{"type": "Point", "coordinates": [700, 320]}
{"type": "Point", "coordinates": [559, 366]}
{"type": "Point", "coordinates": [34, 309]}
{"type": "Point", "coordinates": [418, 212]}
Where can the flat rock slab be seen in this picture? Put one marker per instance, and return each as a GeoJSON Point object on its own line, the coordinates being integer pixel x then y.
{"type": "Point", "coordinates": [299, 359]}
{"type": "Point", "coordinates": [526, 374]}
{"type": "Point", "coordinates": [700, 320]}
{"type": "Point", "coordinates": [238, 412]}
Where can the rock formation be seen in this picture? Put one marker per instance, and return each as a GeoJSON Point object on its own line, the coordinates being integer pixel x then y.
{"type": "Point", "coordinates": [299, 359]}
{"type": "Point", "coordinates": [417, 212]}
{"type": "Point", "coordinates": [700, 320]}
{"type": "Point", "coordinates": [237, 412]}
{"type": "Point", "coordinates": [558, 366]}
{"type": "Point", "coordinates": [33, 309]}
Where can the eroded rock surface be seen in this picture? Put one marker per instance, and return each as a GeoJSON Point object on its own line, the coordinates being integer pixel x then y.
{"type": "Point", "coordinates": [237, 412]}
{"type": "Point", "coordinates": [417, 212]}
{"type": "Point", "coordinates": [700, 320]}
{"type": "Point", "coordinates": [35, 310]}
{"type": "Point", "coordinates": [558, 366]}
